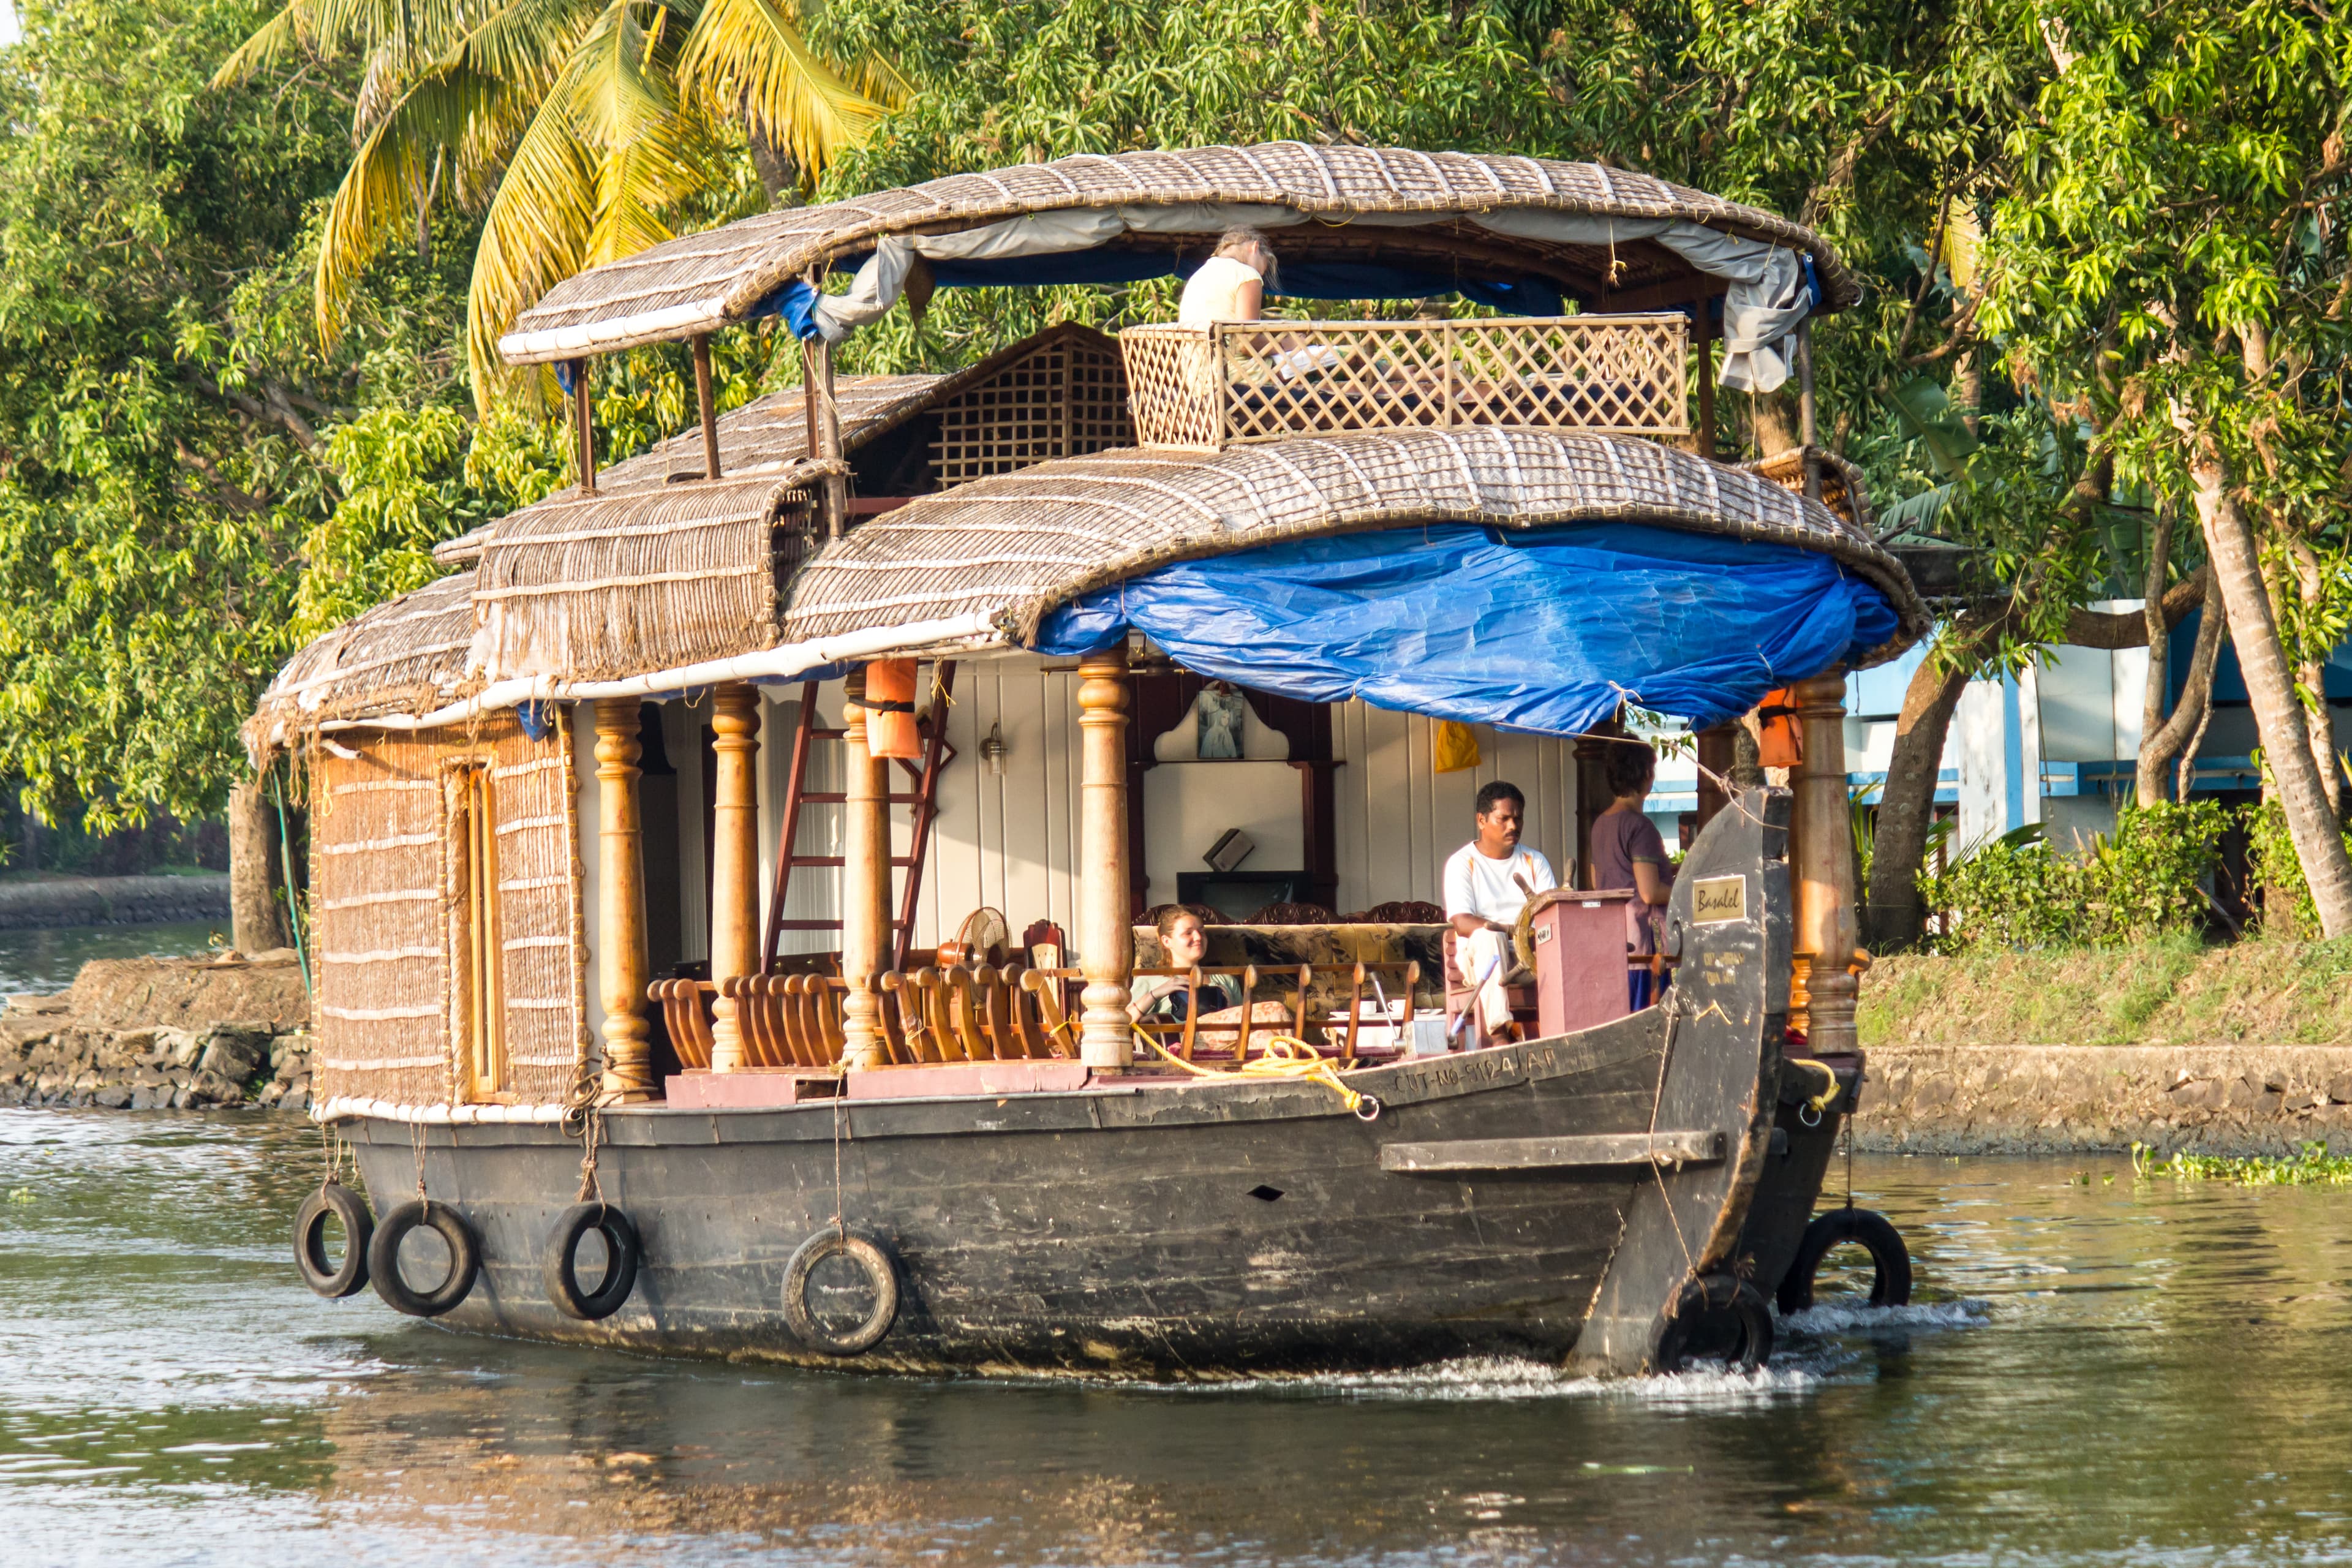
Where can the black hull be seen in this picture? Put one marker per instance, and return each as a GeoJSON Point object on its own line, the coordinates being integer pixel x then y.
{"type": "Point", "coordinates": [1214, 1229]}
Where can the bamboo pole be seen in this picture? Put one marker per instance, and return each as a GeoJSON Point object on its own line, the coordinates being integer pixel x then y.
{"type": "Point", "coordinates": [622, 963]}
{"type": "Point", "coordinates": [1703, 337]}
{"type": "Point", "coordinates": [1105, 932]}
{"type": "Point", "coordinates": [1821, 866]}
{"type": "Point", "coordinates": [706, 404]}
{"type": "Point", "coordinates": [735, 865]}
{"type": "Point", "coordinates": [835, 495]}
{"type": "Point", "coordinates": [864, 888]}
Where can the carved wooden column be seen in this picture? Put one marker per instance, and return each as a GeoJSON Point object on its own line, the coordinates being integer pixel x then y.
{"type": "Point", "coordinates": [1822, 868]}
{"type": "Point", "coordinates": [1105, 920]}
{"type": "Point", "coordinates": [864, 887]}
{"type": "Point", "coordinates": [621, 962]}
{"type": "Point", "coordinates": [734, 861]}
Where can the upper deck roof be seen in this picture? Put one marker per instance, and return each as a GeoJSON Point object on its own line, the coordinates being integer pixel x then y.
{"type": "Point", "coordinates": [1605, 236]}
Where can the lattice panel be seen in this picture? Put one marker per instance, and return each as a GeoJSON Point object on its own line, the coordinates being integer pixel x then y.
{"type": "Point", "coordinates": [1246, 381]}
{"type": "Point", "coordinates": [1062, 400]}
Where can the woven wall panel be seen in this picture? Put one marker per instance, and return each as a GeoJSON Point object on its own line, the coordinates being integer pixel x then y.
{"type": "Point", "coordinates": [378, 877]}
{"type": "Point", "coordinates": [381, 847]}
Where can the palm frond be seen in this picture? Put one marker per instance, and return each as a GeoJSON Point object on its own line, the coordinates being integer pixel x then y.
{"type": "Point", "coordinates": [609, 149]}
{"type": "Point", "coordinates": [291, 30]}
{"type": "Point", "coordinates": [387, 179]}
{"type": "Point", "coordinates": [749, 54]}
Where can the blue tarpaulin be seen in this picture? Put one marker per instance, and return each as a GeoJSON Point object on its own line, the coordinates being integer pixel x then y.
{"type": "Point", "coordinates": [1545, 632]}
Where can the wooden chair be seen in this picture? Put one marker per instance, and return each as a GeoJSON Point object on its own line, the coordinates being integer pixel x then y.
{"type": "Point", "coordinates": [1398, 912]}
{"type": "Point", "coordinates": [1288, 914]}
{"type": "Point", "coordinates": [688, 1010]}
{"type": "Point", "coordinates": [1462, 996]}
{"type": "Point", "coordinates": [1201, 912]}
{"type": "Point", "coordinates": [960, 1013]}
{"type": "Point", "coordinates": [1185, 1031]}
{"type": "Point", "coordinates": [1406, 974]}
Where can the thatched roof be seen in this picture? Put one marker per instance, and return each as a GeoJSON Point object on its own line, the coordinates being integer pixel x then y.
{"type": "Point", "coordinates": [698, 282]}
{"type": "Point", "coordinates": [1012, 547]}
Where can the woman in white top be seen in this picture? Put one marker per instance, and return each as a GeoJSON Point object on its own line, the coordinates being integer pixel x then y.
{"type": "Point", "coordinates": [1231, 285]}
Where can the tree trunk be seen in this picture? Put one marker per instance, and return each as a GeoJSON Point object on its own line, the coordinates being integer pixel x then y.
{"type": "Point", "coordinates": [2278, 713]}
{"type": "Point", "coordinates": [256, 923]}
{"type": "Point", "coordinates": [2310, 582]}
{"type": "Point", "coordinates": [779, 174]}
{"type": "Point", "coordinates": [1769, 425]}
{"type": "Point", "coordinates": [2161, 739]}
{"type": "Point", "coordinates": [1907, 803]}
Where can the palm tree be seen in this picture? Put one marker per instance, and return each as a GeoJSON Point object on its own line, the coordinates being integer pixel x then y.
{"type": "Point", "coordinates": [584, 126]}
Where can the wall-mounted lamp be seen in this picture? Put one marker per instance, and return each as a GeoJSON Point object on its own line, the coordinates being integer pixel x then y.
{"type": "Point", "coordinates": [991, 751]}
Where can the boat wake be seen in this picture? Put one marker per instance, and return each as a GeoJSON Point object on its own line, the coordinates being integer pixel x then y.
{"type": "Point", "coordinates": [1860, 1318]}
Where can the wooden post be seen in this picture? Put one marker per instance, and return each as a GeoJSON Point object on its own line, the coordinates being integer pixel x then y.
{"type": "Point", "coordinates": [584, 428]}
{"type": "Point", "coordinates": [864, 887]}
{"type": "Point", "coordinates": [1823, 868]}
{"type": "Point", "coordinates": [1808, 429]}
{"type": "Point", "coordinates": [1703, 338]}
{"type": "Point", "coordinates": [622, 965]}
{"type": "Point", "coordinates": [734, 862]}
{"type": "Point", "coordinates": [1717, 755]}
{"type": "Point", "coordinates": [707, 403]}
{"type": "Point", "coordinates": [1592, 797]}
{"type": "Point", "coordinates": [1105, 929]}
{"type": "Point", "coordinates": [833, 496]}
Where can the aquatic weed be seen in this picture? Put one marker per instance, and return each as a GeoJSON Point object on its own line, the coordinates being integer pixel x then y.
{"type": "Point", "coordinates": [2311, 1166]}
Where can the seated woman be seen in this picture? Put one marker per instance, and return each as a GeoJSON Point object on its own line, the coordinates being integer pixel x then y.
{"type": "Point", "coordinates": [1628, 852]}
{"type": "Point", "coordinates": [1231, 285]}
{"type": "Point", "coordinates": [1169, 997]}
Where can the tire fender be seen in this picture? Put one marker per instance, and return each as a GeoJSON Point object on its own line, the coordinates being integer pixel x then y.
{"type": "Point", "coordinates": [383, 1259]}
{"type": "Point", "coordinates": [333, 1199]}
{"type": "Point", "coordinates": [881, 1277]}
{"type": "Point", "coordinates": [1892, 1285]}
{"type": "Point", "coordinates": [559, 1266]}
{"type": "Point", "coordinates": [1715, 1299]}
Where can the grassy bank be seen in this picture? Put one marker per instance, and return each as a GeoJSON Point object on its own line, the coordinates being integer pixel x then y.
{"type": "Point", "coordinates": [2172, 992]}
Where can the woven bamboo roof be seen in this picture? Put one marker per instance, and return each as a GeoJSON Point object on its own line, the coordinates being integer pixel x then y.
{"type": "Point", "coordinates": [405, 655]}
{"type": "Point", "coordinates": [698, 282]}
{"type": "Point", "coordinates": [764, 437]}
{"type": "Point", "coordinates": [1016, 546]}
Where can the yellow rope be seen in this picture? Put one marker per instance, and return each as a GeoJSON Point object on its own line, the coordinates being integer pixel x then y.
{"type": "Point", "coordinates": [1287, 1056]}
{"type": "Point", "coordinates": [1820, 1102]}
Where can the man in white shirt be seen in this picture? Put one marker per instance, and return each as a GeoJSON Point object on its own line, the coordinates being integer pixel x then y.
{"type": "Point", "coordinates": [1488, 882]}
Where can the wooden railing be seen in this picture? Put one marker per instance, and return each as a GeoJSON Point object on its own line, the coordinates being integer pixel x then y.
{"type": "Point", "coordinates": [1238, 382]}
{"type": "Point", "coordinates": [995, 1013]}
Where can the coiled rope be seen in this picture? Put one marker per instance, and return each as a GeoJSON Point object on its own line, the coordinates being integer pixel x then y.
{"type": "Point", "coordinates": [1287, 1056]}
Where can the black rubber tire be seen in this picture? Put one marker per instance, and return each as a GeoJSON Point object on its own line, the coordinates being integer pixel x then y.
{"type": "Point", "coordinates": [333, 1199]}
{"type": "Point", "coordinates": [383, 1259]}
{"type": "Point", "coordinates": [879, 1275]}
{"type": "Point", "coordinates": [1718, 1304]}
{"type": "Point", "coordinates": [1892, 1285]}
{"type": "Point", "coordinates": [560, 1265]}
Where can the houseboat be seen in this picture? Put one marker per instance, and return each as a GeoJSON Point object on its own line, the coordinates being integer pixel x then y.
{"type": "Point", "coordinates": [729, 882]}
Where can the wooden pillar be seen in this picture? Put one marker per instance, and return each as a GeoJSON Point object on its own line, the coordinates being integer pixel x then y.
{"type": "Point", "coordinates": [734, 860]}
{"type": "Point", "coordinates": [1105, 934]}
{"type": "Point", "coordinates": [706, 406]}
{"type": "Point", "coordinates": [621, 967]}
{"type": "Point", "coordinates": [1592, 797]}
{"type": "Point", "coordinates": [1822, 868]}
{"type": "Point", "coordinates": [823, 413]}
{"type": "Point", "coordinates": [1703, 339]}
{"type": "Point", "coordinates": [864, 887]}
{"type": "Point", "coordinates": [1717, 755]}
{"type": "Point", "coordinates": [1808, 424]}
{"type": "Point", "coordinates": [584, 428]}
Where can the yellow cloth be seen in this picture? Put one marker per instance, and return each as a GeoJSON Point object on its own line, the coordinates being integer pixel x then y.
{"type": "Point", "coordinates": [1456, 747]}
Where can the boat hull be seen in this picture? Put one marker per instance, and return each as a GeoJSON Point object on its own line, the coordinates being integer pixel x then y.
{"type": "Point", "coordinates": [1190, 1228]}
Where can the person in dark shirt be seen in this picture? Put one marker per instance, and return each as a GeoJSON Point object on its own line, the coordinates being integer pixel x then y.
{"type": "Point", "coordinates": [1628, 854]}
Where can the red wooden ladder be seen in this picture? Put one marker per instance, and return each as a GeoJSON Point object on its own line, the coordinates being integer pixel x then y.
{"type": "Point", "coordinates": [924, 797]}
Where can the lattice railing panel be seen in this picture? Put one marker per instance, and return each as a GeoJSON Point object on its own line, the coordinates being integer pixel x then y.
{"type": "Point", "coordinates": [1065, 399]}
{"type": "Point", "coordinates": [1263, 381]}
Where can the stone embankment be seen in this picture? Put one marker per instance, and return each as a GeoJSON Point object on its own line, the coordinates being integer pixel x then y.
{"type": "Point", "coordinates": [111, 900]}
{"type": "Point", "coordinates": [2033, 1099]}
{"type": "Point", "coordinates": [147, 1034]}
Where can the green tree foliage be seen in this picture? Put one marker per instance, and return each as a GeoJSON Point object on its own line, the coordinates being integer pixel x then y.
{"type": "Point", "coordinates": [2144, 881]}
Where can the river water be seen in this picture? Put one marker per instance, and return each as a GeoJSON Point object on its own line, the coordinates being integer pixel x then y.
{"type": "Point", "coordinates": [2102, 1371]}
{"type": "Point", "coordinates": [46, 957]}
